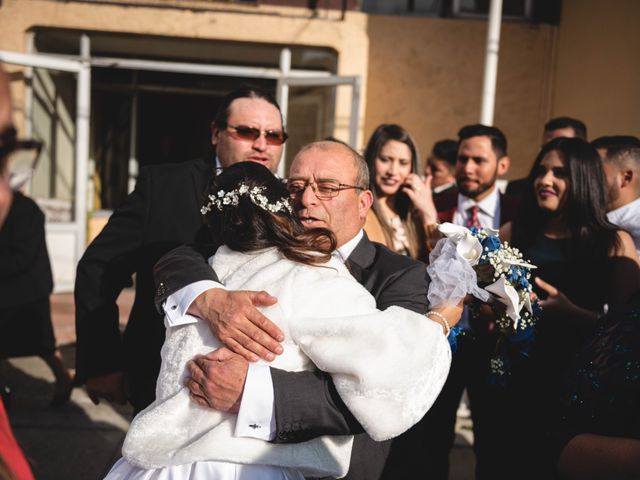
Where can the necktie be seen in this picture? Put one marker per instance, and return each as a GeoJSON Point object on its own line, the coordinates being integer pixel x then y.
{"type": "Point", "coordinates": [472, 218]}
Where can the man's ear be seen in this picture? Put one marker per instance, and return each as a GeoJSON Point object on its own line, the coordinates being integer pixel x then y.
{"type": "Point", "coordinates": [215, 131]}
{"type": "Point", "coordinates": [503, 165]}
{"type": "Point", "coordinates": [626, 178]}
{"type": "Point", "coordinates": [365, 201]}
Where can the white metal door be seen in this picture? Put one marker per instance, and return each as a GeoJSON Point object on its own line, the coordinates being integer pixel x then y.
{"type": "Point", "coordinates": [286, 81]}
{"type": "Point", "coordinates": [66, 239]}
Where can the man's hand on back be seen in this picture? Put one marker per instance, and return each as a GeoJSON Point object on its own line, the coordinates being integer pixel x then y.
{"type": "Point", "coordinates": [235, 320]}
{"type": "Point", "coordinates": [217, 380]}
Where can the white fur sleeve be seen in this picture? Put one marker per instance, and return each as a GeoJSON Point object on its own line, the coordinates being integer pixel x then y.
{"type": "Point", "coordinates": [388, 367]}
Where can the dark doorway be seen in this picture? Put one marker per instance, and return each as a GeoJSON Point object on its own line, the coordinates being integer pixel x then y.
{"type": "Point", "coordinates": [174, 127]}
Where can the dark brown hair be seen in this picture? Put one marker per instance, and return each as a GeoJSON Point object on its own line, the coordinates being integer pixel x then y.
{"type": "Point", "coordinates": [401, 201]}
{"type": "Point", "coordinates": [590, 233]}
{"type": "Point", "coordinates": [246, 227]}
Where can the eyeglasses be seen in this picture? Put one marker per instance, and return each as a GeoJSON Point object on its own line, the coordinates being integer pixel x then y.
{"type": "Point", "coordinates": [324, 189]}
{"type": "Point", "coordinates": [251, 134]}
{"type": "Point", "coordinates": [20, 156]}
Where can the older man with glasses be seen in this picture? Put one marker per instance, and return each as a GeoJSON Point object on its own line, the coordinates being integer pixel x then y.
{"type": "Point", "coordinates": [161, 213]}
{"type": "Point", "coordinates": [328, 182]}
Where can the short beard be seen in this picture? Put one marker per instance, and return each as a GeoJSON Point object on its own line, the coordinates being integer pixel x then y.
{"type": "Point", "coordinates": [483, 187]}
{"type": "Point", "coordinates": [613, 195]}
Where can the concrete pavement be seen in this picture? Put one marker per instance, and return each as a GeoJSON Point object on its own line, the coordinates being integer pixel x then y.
{"type": "Point", "coordinates": [80, 440]}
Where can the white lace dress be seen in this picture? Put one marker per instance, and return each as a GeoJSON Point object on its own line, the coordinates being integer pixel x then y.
{"type": "Point", "coordinates": [388, 368]}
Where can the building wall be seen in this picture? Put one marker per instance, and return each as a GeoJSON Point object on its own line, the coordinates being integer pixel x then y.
{"type": "Point", "coordinates": [206, 20]}
{"type": "Point", "coordinates": [598, 65]}
{"type": "Point", "coordinates": [426, 75]}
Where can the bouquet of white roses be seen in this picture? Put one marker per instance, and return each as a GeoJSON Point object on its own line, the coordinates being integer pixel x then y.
{"type": "Point", "coordinates": [475, 261]}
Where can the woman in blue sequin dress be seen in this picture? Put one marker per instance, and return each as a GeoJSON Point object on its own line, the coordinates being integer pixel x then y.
{"type": "Point", "coordinates": [584, 263]}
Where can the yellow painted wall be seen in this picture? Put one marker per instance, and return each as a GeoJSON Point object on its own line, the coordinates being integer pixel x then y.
{"type": "Point", "coordinates": [598, 65]}
{"type": "Point", "coordinates": [426, 75]}
{"type": "Point", "coordinates": [263, 24]}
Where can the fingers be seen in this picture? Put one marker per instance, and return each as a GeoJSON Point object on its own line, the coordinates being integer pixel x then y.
{"type": "Point", "coordinates": [547, 287]}
{"type": "Point", "coordinates": [413, 182]}
{"type": "Point", "coordinates": [238, 347]}
{"type": "Point", "coordinates": [218, 355]}
{"type": "Point", "coordinates": [197, 382]}
{"type": "Point", "coordinates": [427, 181]}
{"type": "Point", "coordinates": [196, 392]}
{"type": "Point", "coordinates": [262, 298]}
{"type": "Point", "coordinates": [270, 335]}
{"type": "Point", "coordinates": [199, 400]}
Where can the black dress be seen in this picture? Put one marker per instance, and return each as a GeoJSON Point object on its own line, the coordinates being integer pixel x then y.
{"type": "Point", "coordinates": [25, 283]}
{"type": "Point", "coordinates": [602, 388]}
{"type": "Point", "coordinates": [585, 283]}
{"type": "Point", "coordinates": [538, 385]}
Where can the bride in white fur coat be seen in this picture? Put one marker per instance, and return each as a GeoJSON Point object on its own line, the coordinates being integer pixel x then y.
{"type": "Point", "coordinates": [388, 366]}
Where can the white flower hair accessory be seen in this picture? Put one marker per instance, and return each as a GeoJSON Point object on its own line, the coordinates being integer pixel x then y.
{"type": "Point", "coordinates": [221, 199]}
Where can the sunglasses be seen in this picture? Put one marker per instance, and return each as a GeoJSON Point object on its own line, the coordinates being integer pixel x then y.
{"type": "Point", "coordinates": [251, 134]}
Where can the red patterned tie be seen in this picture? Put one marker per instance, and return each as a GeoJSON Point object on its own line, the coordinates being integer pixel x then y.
{"type": "Point", "coordinates": [472, 219]}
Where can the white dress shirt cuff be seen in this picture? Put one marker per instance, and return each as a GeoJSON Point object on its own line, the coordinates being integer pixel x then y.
{"type": "Point", "coordinates": [176, 305]}
{"type": "Point", "coordinates": [257, 415]}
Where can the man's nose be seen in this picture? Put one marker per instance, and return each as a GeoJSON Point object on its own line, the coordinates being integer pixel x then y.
{"type": "Point", "coordinates": [260, 143]}
{"type": "Point", "coordinates": [469, 167]}
{"type": "Point", "coordinates": [308, 196]}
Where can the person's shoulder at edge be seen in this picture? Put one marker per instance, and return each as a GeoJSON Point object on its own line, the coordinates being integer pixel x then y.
{"type": "Point", "coordinates": [26, 204]}
{"type": "Point", "coordinates": [626, 247]}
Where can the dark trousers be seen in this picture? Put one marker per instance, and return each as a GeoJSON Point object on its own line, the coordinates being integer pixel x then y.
{"type": "Point", "coordinates": [495, 416]}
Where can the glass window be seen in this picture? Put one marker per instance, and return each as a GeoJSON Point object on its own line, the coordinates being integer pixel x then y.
{"type": "Point", "coordinates": [402, 7]}
{"type": "Point", "coordinates": [510, 8]}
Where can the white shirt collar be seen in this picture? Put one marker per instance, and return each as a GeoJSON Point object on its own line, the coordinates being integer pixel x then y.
{"type": "Point", "coordinates": [487, 205]}
{"type": "Point", "coordinates": [347, 249]}
{"type": "Point", "coordinates": [443, 187]}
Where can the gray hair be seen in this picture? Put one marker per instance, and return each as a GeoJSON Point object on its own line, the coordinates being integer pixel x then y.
{"type": "Point", "coordinates": [362, 170]}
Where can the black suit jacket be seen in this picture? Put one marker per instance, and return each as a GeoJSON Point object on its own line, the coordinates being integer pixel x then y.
{"type": "Point", "coordinates": [306, 403]}
{"type": "Point", "coordinates": [161, 213]}
{"type": "Point", "coordinates": [25, 272]}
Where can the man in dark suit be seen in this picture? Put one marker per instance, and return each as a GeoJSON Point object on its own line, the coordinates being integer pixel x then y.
{"type": "Point", "coordinates": [161, 213]}
{"type": "Point", "coordinates": [441, 165]}
{"type": "Point", "coordinates": [306, 404]}
{"type": "Point", "coordinates": [482, 157]}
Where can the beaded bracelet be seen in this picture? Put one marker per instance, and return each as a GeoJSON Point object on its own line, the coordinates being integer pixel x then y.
{"type": "Point", "coordinates": [439, 316]}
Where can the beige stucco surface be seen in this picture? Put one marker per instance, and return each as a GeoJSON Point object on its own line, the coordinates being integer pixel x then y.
{"type": "Point", "coordinates": [426, 74]}
{"type": "Point", "coordinates": [598, 65]}
{"type": "Point", "coordinates": [258, 25]}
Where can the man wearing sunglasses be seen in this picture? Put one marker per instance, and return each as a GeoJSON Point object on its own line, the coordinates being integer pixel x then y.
{"type": "Point", "coordinates": [161, 213]}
